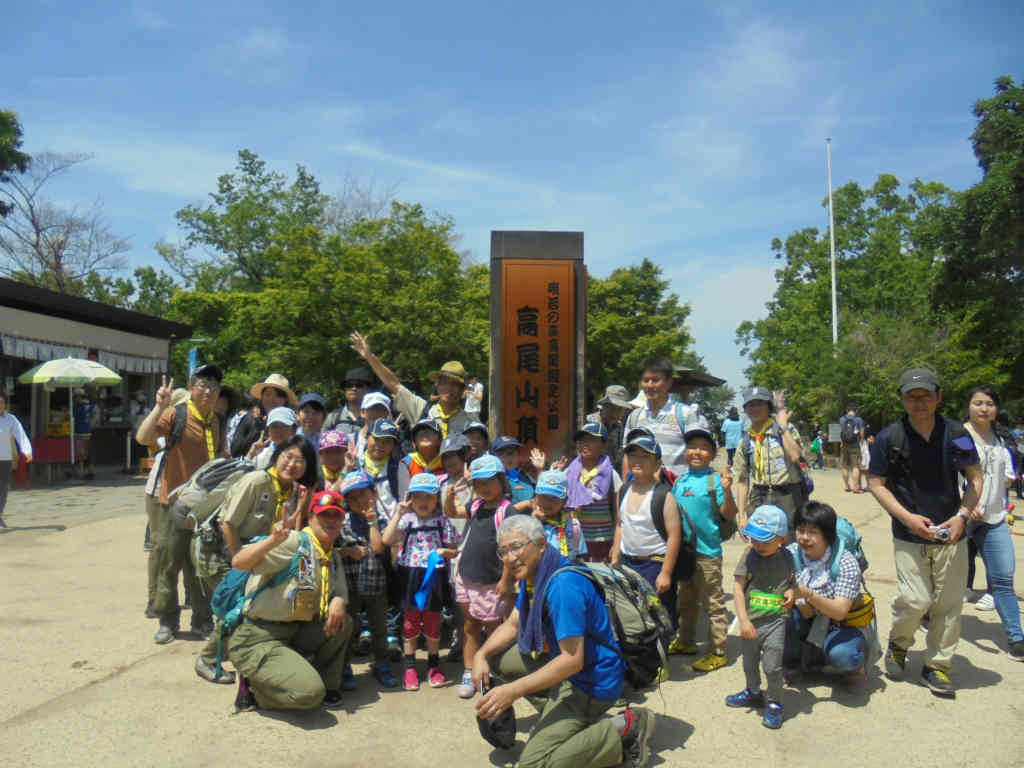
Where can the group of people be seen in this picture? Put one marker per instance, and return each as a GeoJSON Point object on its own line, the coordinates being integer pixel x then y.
{"type": "Point", "coordinates": [376, 525]}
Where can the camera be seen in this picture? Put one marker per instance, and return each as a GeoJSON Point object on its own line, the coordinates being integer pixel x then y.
{"type": "Point", "coordinates": [941, 534]}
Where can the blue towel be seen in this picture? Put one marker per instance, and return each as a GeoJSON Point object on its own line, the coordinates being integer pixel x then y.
{"type": "Point", "coordinates": [422, 595]}
{"type": "Point", "coordinates": [531, 636]}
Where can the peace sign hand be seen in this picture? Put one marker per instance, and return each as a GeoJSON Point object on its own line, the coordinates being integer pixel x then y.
{"type": "Point", "coordinates": [163, 395]}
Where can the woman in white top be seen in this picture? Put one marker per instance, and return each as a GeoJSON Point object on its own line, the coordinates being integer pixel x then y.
{"type": "Point", "coordinates": [10, 431]}
{"type": "Point", "coordinates": [988, 529]}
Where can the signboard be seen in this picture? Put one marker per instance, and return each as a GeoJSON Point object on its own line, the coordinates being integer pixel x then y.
{"type": "Point", "coordinates": [834, 433]}
{"type": "Point", "coordinates": [537, 334]}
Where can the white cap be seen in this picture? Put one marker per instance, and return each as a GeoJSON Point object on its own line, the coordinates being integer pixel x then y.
{"type": "Point", "coordinates": [282, 415]}
{"type": "Point", "coordinates": [371, 399]}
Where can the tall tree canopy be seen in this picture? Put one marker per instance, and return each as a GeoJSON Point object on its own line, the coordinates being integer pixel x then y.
{"type": "Point", "coordinates": [11, 156]}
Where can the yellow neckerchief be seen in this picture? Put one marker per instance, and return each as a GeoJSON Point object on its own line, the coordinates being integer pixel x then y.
{"type": "Point", "coordinates": [282, 493]}
{"type": "Point", "coordinates": [586, 475]}
{"type": "Point", "coordinates": [562, 527]}
{"type": "Point", "coordinates": [761, 468]}
{"type": "Point", "coordinates": [373, 468]}
{"type": "Point", "coordinates": [428, 466]}
{"type": "Point", "coordinates": [444, 418]}
{"type": "Point", "coordinates": [329, 476]}
{"type": "Point", "coordinates": [207, 424]}
{"type": "Point", "coordinates": [325, 570]}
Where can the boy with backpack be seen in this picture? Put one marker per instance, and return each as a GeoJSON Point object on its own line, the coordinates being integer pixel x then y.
{"type": "Point", "coordinates": [851, 432]}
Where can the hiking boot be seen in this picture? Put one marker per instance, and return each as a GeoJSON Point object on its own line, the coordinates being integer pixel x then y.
{"type": "Point", "coordinates": [208, 671]}
{"type": "Point", "coordinates": [412, 679]}
{"type": "Point", "coordinates": [678, 648]}
{"type": "Point", "coordinates": [939, 682]}
{"type": "Point", "coordinates": [746, 698]}
{"type": "Point", "coordinates": [985, 603]}
{"type": "Point", "coordinates": [203, 630]}
{"type": "Point", "coordinates": [710, 662]}
{"type": "Point", "coordinates": [660, 676]}
{"type": "Point", "coordinates": [1017, 651]}
{"type": "Point", "coordinates": [244, 699]}
{"type": "Point", "coordinates": [332, 700]}
{"type": "Point", "coordinates": [466, 689]}
{"type": "Point", "coordinates": [165, 634]}
{"type": "Point", "coordinates": [772, 715]}
{"type": "Point", "coordinates": [150, 614]}
{"type": "Point", "coordinates": [895, 662]}
{"type": "Point", "coordinates": [348, 679]}
{"type": "Point", "coordinates": [636, 741]}
{"type": "Point", "coordinates": [383, 674]}
{"type": "Point", "coordinates": [435, 677]}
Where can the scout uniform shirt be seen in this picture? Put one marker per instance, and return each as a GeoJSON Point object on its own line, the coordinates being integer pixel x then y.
{"type": "Point", "coordinates": [278, 603]}
{"type": "Point", "coordinates": [766, 464]}
{"type": "Point", "coordinates": [411, 406]}
{"type": "Point", "coordinates": [251, 505]}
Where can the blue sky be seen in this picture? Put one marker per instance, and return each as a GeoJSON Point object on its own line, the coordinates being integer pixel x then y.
{"type": "Point", "coordinates": [687, 134]}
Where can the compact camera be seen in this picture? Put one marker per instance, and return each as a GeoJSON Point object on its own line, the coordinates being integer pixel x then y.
{"type": "Point", "coordinates": [941, 534]}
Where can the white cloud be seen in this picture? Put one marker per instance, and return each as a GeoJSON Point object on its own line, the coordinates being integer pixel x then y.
{"type": "Point", "coordinates": [149, 18]}
{"type": "Point", "coordinates": [263, 43]}
{"type": "Point", "coordinates": [443, 170]}
{"type": "Point", "coordinates": [260, 54]}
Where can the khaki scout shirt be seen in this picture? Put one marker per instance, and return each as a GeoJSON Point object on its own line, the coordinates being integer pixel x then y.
{"type": "Point", "coordinates": [411, 406]}
{"type": "Point", "coordinates": [777, 468]}
{"type": "Point", "coordinates": [250, 505]}
{"type": "Point", "coordinates": [274, 603]}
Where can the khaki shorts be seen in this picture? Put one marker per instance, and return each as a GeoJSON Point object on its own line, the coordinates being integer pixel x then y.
{"type": "Point", "coordinates": [849, 455]}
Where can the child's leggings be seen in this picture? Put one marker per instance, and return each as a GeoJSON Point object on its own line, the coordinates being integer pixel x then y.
{"type": "Point", "coordinates": [428, 621]}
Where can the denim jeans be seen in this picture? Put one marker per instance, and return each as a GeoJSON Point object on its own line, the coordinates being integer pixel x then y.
{"type": "Point", "coordinates": [844, 646]}
{"type": "Point", "coordinates": [996, 548]}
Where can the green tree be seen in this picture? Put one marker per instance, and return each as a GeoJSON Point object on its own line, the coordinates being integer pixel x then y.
{"type": "Point", "coordinates": [11, 156]}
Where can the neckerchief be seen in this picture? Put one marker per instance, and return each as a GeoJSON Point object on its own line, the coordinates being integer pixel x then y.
{"type": "Point", "coordinates": [207, 424]}
{"type": "Point", "coordinates": [373, 468]}
{"type": "Point", "coordinates": [761, 469]}
{"type": "Point", "coordinates": [434, 465]}
{"type": "Point", "coordinates": [325, 570]}
{"type": "Point", "coordinates": [329, 476]}
{"type": "Point", "coordinates": [561, 526]}
{"type": "Point", "coordinates": [282, 493]}
{"type": "Point", "coordinates": [444, 418]}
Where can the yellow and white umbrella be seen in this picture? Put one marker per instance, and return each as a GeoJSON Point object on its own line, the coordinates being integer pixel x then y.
{"type": "Point", "coordinates": [70, 372]}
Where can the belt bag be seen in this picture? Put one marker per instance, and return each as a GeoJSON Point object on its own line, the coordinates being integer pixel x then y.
{"type": "Point", "coordinates": [862, 612]}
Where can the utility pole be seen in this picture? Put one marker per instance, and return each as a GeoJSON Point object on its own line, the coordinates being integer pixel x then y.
{"type": "Point", "coordinates": [832, 243]}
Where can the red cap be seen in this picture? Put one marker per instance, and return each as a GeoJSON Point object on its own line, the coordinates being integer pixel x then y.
{"type": "Point", "coordinates": [326, 501]}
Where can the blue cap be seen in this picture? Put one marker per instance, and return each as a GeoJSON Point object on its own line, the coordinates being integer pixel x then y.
{"type": "Point", "coordinates": [384, 428]}
{"type": "Point", "coordinates": [700, 428]}
{"type": "Point", "coordinates": [425, 482]}
{"type": "Point", "coordinates": [643, 439]}
{"type": "Point", "coordinates": [767, 522]}
{"type": "Point", "coordinates": [505, 441]}
{"type": "Point", "coordinates": [353, 481]}
{"type": "Point", "coordinates": [427, 423]}
{"type": "Point", "coordinates": [282, 415]}
{"type": "Point", "coordinates": [592, 428]}
{"type": "Point", "coordinates": [479, 426]}
{"type": "Point", "coordinates": [553, 483]}
{"type": "Point", "coordinates": [315, 399]}
{"type": "Point", "coordinates": [454, 444]}
{"type": "Point", "coordinates": [757, 393]}
{"type": "Point", "coordinates": [485, 467]}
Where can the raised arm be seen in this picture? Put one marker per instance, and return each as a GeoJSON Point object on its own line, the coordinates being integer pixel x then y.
{"type": "Point", "coordinates": [387, 377]}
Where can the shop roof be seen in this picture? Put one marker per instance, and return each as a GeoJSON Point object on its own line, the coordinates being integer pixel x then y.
{"type": "Point", "coordinates": [45, 302]}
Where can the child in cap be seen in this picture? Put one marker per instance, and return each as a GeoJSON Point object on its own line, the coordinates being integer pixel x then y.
{"type": "Point", "coordinates": [479, 438]}
{"type": "Point", "coordinates": [427, 541]}
{"type": "Point", "coordinates": [560, 526]}
{"type": "Point", "coordinates": [335, 458]}
{"type": "Point", "coordinates": [593, 483]}
{"type": "Point", "coordinates": [762, 596]}
{"type": "Point", "coordinates": [520, 485]}
{"type": "Point", "coordinates": [364, 558]}
{"type": "Point", "coordinates": [456, 487]}
{"type": "Point", "coordinates": [707, 498]}
{"type": "Point", "coordinates": [426, 439]}
{"type": "Point", "coordinates": [282, 424]}
{"type": "Point", "coordinates": [375, 405]}
{"type": "Point", "coordinates": [482, 582]}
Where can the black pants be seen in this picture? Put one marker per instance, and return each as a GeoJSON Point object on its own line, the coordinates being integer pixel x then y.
{"type": "Point", "coordinates": [5, 483]}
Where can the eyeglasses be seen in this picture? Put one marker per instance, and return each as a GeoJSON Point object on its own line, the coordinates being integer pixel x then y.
{"type": "Point", "coordinates": [293, 460]}
{"type": "Point", "coordinates": [512, 549]}
{"type": "Point", "coordinates": [207, 386]}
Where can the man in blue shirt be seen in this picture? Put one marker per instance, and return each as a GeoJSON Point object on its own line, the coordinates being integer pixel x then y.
{"type": "Point", "coordinates": [563, 659]}
{"type": "Point", "coordinates": [732, 429]}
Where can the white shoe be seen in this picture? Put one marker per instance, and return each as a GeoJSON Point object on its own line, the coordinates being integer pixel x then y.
{"type": "Point", "coordinates": [973, 595]}
{"type": "Point", "coordinates": [985, 603]}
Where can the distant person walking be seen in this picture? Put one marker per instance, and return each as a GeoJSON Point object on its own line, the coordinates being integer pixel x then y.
{"type": "Point", "coordinates": [732, 431]}
{"type": "Point", "coordinates": [851, 432]}
{"type": "Point", "coordinates": [11, 434]}
{"type": "Point", "coordinates": [474, 398]}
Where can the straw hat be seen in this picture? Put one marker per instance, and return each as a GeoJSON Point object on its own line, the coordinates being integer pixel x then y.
{"type": "Point", "coordinates": [452, 369]}
{"type": "Point", "coordinates": [277, 381]}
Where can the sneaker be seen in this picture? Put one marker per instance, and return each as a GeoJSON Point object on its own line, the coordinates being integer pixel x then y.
{"type": "Point", "coordinates": [710, 662]}
{"type": "Point", "coordinates": [383, 674]}
{"type": "Point", "coordinates": [435, 677]}
{"type": "Point", "coordinates": [150, 613]}
{"type": "Point", "coordinates": [208, 671]}
{"type": "Point", "coordinates": [364, 643]}
{"type": "Point", "coordinates": [332, 700]}
{"type": "Point", "coordinates": [244, 700]}
{"type": "Point", "coordinates": [895, 662]}
{"type": "Point", "coordinates": [745, 698]}
{"type": "Point", "coordinates": [466, 689]}
{"type": "Point", "coordinates": [348, 679]}
{"type": "Point", "coordinates": [985, 603]}
{"type": "Point", "coordinates": [394, 649]}
{"type": "Point", "coordinates": [772, 715]}
{"type": "Point", "coordinates": [636, 741]}
{"type": "Point", "coordinates": [678, 648]}
{"type": "Point", "coordinates": [938, 681]}
{"type": "Point", "coordinates": [164, 635]}
{"type": "Point", "coordinates": [1017, 650]}
{"type": "Point", "coordinates": [203, 630]}
{"type": "Point", "coordinates": [973, 595]}
{"type": "Point", "coordinates": [412, 679]}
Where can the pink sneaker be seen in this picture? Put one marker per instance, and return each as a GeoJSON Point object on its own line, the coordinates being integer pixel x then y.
{"type": "Point", "coordinates": [435, 677]}
{"type": "Point", "coordinates": [412, 679]}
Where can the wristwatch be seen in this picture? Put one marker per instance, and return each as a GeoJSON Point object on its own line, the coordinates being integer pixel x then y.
{"type": "Point", "coordinates": [963, 517]}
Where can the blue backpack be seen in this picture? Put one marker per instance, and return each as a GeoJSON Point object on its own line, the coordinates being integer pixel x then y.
{"type": "Point", "coordinates": [847, 540]}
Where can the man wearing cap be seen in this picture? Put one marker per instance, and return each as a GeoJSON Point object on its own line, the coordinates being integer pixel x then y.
{"type": "Point", "coordinates": [312, 410]}
{"type": "Point", "coordinates": [347, 418]}
{"type": "Point", "coordinates": [913, 476]}
{"type": "Point", "coordinates": [451, 389]}
{"type": "Point", "coordinates": [662, 414]}
{"type": "Point", "coordinates": [302, 617]}
{"type": "Point", "coordinates": [611, 413]}
{"type": "Point", "coordinates": [199, 443]}
{"type": "Point", "coordinates": [767, 461]}
{"type": "Point", "coordinates": [272, 393]}
{"type": "Point", "coordinates": [281, 426]}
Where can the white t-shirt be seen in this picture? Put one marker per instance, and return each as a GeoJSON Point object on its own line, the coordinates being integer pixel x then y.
{"type": "Point", "coordinates": [474, 398]}
{"type": "Point", "coordinates": [639, 536]}
{"type": "Point", "coordinates": [11, 427]}
{"type": "Point", "coordinates": [667, 430]}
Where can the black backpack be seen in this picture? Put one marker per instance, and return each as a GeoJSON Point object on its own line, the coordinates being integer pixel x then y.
{"type": "Point", "coordinates": [848, 430]}
{"type": "Point", "coordinates": [900, 475]}
{"type": "Point", "coordinates": [686, 560]}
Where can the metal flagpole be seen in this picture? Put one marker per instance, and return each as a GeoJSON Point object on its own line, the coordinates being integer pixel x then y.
{"type": "Point", "coordinates": [832, 243]}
